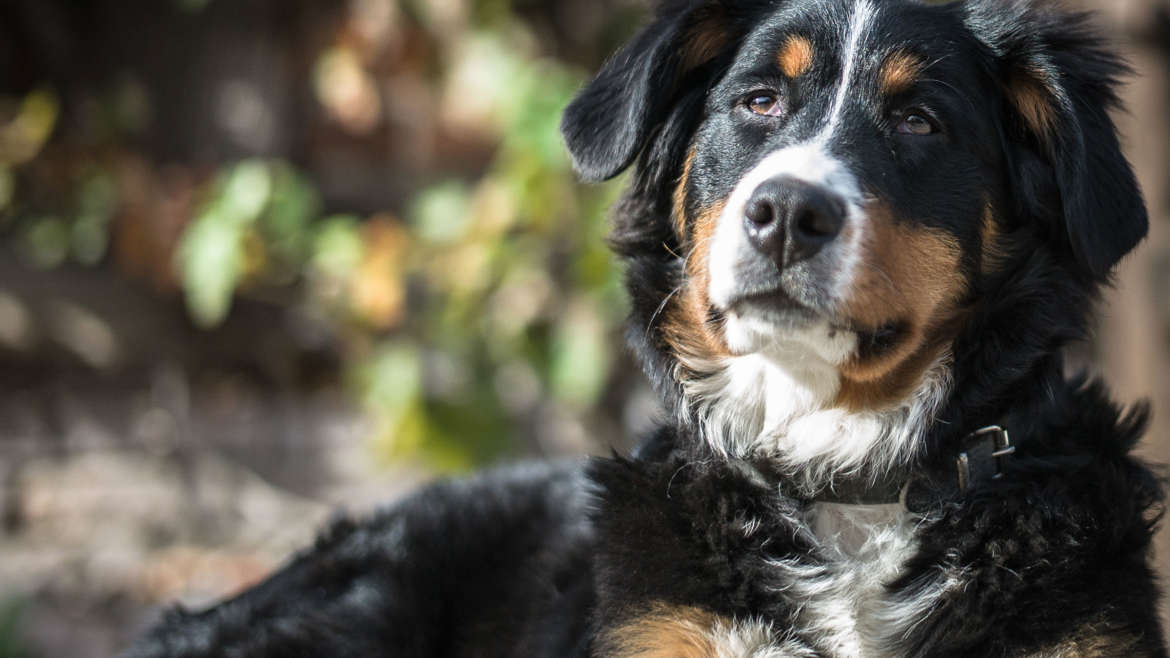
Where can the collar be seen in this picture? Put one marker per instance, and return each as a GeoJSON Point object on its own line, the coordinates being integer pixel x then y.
{"type": "Point", "coordinates": [980, 459]}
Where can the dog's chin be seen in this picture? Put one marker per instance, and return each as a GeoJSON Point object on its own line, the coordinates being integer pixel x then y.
{"type": "Point", "coordinates": [778, 327]}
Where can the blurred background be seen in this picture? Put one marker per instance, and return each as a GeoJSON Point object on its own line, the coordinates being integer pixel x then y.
{"type": "Point", "coordinates": [264, 260]}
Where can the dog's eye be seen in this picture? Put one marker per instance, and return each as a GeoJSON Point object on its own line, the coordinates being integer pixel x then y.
{"type": "Point", "coordinates": [916, 124]}
{"type": "Point", "coordinates": [765, 105]}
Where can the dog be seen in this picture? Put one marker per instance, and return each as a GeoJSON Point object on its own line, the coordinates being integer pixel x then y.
{"type": "Point", "coordinates": [857, 235]}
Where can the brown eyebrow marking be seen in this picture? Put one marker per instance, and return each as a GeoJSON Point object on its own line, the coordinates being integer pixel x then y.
{"type": "Point", "coordinates": [899, 72]}
{"type": "Point", "coordinates": [796, 56]}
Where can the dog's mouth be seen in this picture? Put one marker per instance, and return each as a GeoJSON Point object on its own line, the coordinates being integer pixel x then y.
{"type": "Point", "coordinates": [774, 305]}
{"type": "Point", "coordinates": [777, 312]}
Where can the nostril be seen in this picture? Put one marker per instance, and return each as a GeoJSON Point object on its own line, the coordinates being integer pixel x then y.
{"type": "Point", "coordinates": [760, 212]}
{"type": "Point", "coordinates": [818, 225]}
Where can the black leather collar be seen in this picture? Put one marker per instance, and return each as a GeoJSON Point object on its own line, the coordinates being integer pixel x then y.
{"type": "Point", "coordinates": [980, 460]}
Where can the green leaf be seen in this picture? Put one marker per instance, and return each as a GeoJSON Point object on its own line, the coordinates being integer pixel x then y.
{"type": "Point", "coordinates": [98, 196]}
{"type": "Point", "coordinates": [22, 138]}
{"type": "Point", "coordinates": [393, 379]}
{"type": "Point", "coordinates": [210, 258]}
{"type": "Point", "coordinates": [46, 242]}
{"type": "Point", "coordinates": [442, 213]}
{"type": "Point", "coordinates": [210, 261]}
{"type": "Point", "coordinates": [89, 238]}
{"type": "Point", "coordinates": [245, 191]}
{"type": "Point", "coordinates": [337, 247]}
{"type": "Point", "coordinates": [294, 202]}
{"type": "Point", "coordinates": [96, 203]}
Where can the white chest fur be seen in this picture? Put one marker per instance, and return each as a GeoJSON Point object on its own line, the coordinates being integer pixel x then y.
{"type": "Point", "coordinates": [844, 602]}
{"type": "Point", "coordinates": [843, 608]}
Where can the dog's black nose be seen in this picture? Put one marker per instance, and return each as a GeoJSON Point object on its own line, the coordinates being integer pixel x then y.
{"type": "Point", "coordinates": [789, 220]}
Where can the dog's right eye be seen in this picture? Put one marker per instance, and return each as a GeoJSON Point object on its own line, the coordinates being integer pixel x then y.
{"type": "Point", "coordinates": [766, 105]}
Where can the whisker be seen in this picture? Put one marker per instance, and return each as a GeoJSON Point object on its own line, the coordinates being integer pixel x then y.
{"type": "Point", "coordinates": [661, 307]}
{"type": "Point", "coordinates": [880, 270]}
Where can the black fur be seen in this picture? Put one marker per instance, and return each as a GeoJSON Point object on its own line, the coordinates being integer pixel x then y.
{"type": "Point", "coordinates": [545, 561]}
{"type": "Point", "coordinates": [495, 566]}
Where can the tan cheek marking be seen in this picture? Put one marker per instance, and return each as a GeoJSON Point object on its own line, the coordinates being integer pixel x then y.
{"type": "Point", "coordinates": [890, 388]}
{"type": "Point", "coordinates": [685, 327]}
{"type": "Point", "coordinates": [905, 271]}
{"type": "Point", "coordinates": [910, 275]}
{"type": "Point", "coordinates": [665, 632]}
{"type": "Point", "coordinates": [899, 73]}
{"type": "Point", "coordinates": [796, 56]}
{"type": "Point", "coordinates": [699, 244]}
{"type": "Point", "coordinates": [679, 215]}
{"type": "Point", "coordinates": [1034, 102]}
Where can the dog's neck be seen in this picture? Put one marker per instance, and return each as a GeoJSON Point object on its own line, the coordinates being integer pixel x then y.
{"type": "Point", "coordinates": [761, 407]}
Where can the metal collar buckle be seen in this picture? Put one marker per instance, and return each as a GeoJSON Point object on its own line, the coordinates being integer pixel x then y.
{"type": "Point", "coordinates": [1001, 448]}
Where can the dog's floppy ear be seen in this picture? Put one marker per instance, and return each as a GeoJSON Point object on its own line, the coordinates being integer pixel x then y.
{"type": "Point", "coordinates": [1060, 81]}
{"type": "Point", "coordinates": [608, 123]}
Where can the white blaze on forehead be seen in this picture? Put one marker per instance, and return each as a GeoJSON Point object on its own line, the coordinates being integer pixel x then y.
{"type": "Point", "coordinates": [810, 162]}
{"type": "Point", "coordinates": [859, 25]}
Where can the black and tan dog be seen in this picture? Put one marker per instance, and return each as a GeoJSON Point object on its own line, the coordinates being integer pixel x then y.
{"type": "Point", "coordinates": [857, 235]}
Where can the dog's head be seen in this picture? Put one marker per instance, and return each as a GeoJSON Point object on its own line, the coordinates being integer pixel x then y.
{"type": "Point", "coordinates": [831, 196]}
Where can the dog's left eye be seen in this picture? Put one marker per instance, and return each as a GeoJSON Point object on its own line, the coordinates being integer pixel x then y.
{"type": "Point", "coordinates": [765, 105]}
{"type": "Point", "coordinates": [916, 124]}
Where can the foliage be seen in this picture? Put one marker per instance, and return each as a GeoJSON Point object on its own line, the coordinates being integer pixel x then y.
{"type": "Point", "coordinates": [517, 299]}
{"type": "Point", "coordinates": [485, 301]}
